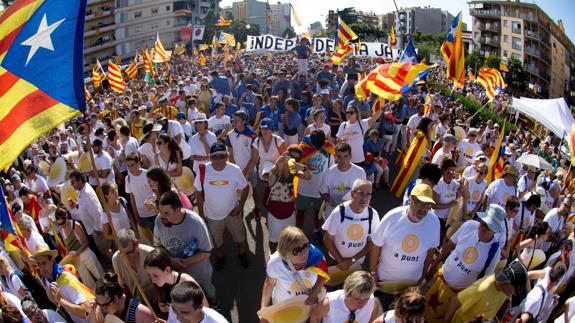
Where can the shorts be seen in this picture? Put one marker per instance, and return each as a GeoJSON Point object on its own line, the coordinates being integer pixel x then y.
{"type": "Point", "coordinates": [303, 202]}
{"type": "Point", "coordinates": [275, 226]}
{"type": "Point", "coordinates": [234, 224]}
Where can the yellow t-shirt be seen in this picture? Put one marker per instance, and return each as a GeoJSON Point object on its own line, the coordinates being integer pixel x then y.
{"type": "Point", "coordinates": [481, 298]}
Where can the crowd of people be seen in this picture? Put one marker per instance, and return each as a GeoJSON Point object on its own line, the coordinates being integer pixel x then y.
{"type": "Point", "coordinates": [137, 238]}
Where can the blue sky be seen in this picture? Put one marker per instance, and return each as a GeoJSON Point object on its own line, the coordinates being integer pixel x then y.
{"type": "Point", "coordinates": [316, 10]}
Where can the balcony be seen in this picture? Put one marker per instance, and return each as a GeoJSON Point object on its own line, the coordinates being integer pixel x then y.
{"type": "Point", "coordinates": [545, 41]}
{"type": "Point", "coordinates": [531, 34]}
{"type": "Point", "coordinates": [533, 51]}
{"type": "Point", "coordinates": [493, 41]}
{"type": "Point", "coordinates": [485, 13]}
{"type": "Point", "coordinates": [545, 58]}
{"type": "Point", "coordinates": [545, 76]}
{"type": "Point", "coordinates": [99, 13]}
{"type": "Point", "coordinates": [531, 68]}
{"type": "Point", "coordinates": [101, 43]}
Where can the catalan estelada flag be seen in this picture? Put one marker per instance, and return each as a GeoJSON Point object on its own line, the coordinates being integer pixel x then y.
{"type": "Point", "coordinates": [59, 244]}
{"type": "Point", "coordinates": [496, 162]}
{"type": "Point", "coordinates": [132, 69]}
{"type": "Point", "coordinates": [180, 50]}
{"type": "Point", "coordinates": [115, 77]}
{"type": "Point", "coordinates": [391, 81]}
{"type": "Point", "coordinates": [491, 80]}
{"type": "Point", "coordinates": [148, 65]}
{"type": "Point", "coordinates": [409, 163]}
{"type": "Point", "coordinates": [344, 35]}
{"type": "Point", "coordinates": [202, 59]}
{"type": "Point", "coordinates": [41, 70]}
{"type": "Point", "coordinates": [571, 143]}
{"type": "Point", "coordinates": [87, 94]}
{"type": "Point", "coordinates": [309, 150]}
{"type": "Point", "coordinates": [223, 22]}
{"type": "Point", "coordinates": [341, 53]}
{"type": "Point", "coordinates": [13, 239]}
{"type": "Point", "coordinates": [160, 54]}
{"type": "Point", "coordinates": [316, 262]}
{"type": "Point", "coordinates": [453, 52]}
{"type": "Point", "coordinates": [228, 39]}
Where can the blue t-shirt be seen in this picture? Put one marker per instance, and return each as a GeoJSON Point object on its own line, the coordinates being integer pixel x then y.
{"type": "Point", "coordinates": [282, 84]}
{"type": "Point", "coordinates": [372, 147]}
{"type": "Point", "coordinates": [325, 75]}
{"type": "Point", "coordinates": [231, 109]}
{"type": "Point", "coordinates": [273, 115]}
{"type": "Point", "coordinates": [221, 85]}
{"type": "Point", "coordinates": [302, 51]}
{"type": "Point", "coordinates": [251, 110]}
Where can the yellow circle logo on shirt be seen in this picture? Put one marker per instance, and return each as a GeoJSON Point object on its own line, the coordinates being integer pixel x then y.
{"type": "Point", "coordinates": [469, 151]}
{"type": "Point", "coordinates": [469, 255]}
{"type": "Point", "coordinates": [296, 288]}
{"type": "Point", "coordinates": [476, 195]}
{"type": "Point", "coordinates": [355, 232]}
{"type": "Point", "coordinates": [410, 243]}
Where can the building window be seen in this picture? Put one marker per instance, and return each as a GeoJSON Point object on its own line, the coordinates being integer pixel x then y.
{"type": "Point", "coordinates": [121, 3]}
{"type": "Point", "coordinates": [155, 11]}
{"type": "Point", "coordinates": [505, 53]}
{"type": "Point", "coordinates": [137, 2]}
{"type": "Point", "coordinates": [168, 23]}
{"type": "Point", "coordinates": [516, 27]}
{"type": "Point", "coordinates": [505, 23]}
{"type": "Point", "coordinates": [516, 43]}
{"type": "Point", "coordinates": [137, 14]}
{"type": "Point", "coordinates": [123, 17]}
{"type": "Point", "coordinates": [154, 26]}
{"type": "Point", "coordinates": [506, 38]}
{"type": "Point", "coordinates": [167, 8]}
{"type": "Point", "coordinates": [138, 29]}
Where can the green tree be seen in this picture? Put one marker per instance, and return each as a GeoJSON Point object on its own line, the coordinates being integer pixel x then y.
{"type": "Point", "coordinates": [346, 14]}
{"type": "Point", "coordinates": [474, 60]}
{"type": "Point", "coordinates": [517, 77]}
{"type": "Point", "coordinates": [209, 21]}
{"type": "Point", "coordinates": [289, 32]}
{"type": "Point", "coordinates": [492, 61]}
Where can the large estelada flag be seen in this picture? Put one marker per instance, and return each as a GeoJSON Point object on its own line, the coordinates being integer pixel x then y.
{"type": "Point", "coordinates": [344, 35]}
{"type": "Point", "coordinates": [496, 162]}
{"type": "Point", "coordinates": [391, 81]}
{"type": "Point", "coordinates": [409, 163]}
{"type": "Point", "coordinates": [41, 70]}
{"type": "Point", "coordinates": [13, 239]}
{"type": "Point", "coordinates": [453, 52]}
{"type": "Point", "coordinates": [491, 80]}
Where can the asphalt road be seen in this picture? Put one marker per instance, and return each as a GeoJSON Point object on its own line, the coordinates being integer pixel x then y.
{"type": "Point", "coordinates": [239, 289]}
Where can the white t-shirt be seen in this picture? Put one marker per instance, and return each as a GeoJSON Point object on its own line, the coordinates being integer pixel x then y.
{"type": "Point", "coordinates": [524, 184]}
{"type": "Point", "coordinates": [216, 124]}
{"type": "Point", "coordinates": [350, 236]}
{"type": "Point", "coordinates": [404, 245]}
{"type": "Point", "coordinates": [197, 148]}
{"type": "Point", "coordinates": [556, 224]}
{"type": "Point", "coordinates": [325, 128]}
{"type": "Point", "coordinates": [498, 192]}
{"type": "Point", "coordinates": [467, 151]}
{"type": "Point", "coordinates": [447, 194]}
{"type": "Point", "coordinates": [39, 185]}
{"type": "Point", "coordinates": [103, 162]}
{"type": "Point", "coordinates": [221, 190]}
{"type": "Point", "coordinates": [131, 146]}
{"type": "Point", "coordinates": [241, 146]}
{"type": "Point", "coordinates": [339, 311]}
{"type": "Point", "coordinates": [475, 191]}
{"type": "Point", "coordinates": [210, 316]}
{"type": "Point", "coordinates": [147, 150]}
{"type": "Point", "coordinates": [469, 172]}
{"type": "Point", "coordinates": [440, 155]}
{"type": "Point", "coordinates": [174, 129]}
{"type": "Point", "coordinates": [53, 317]}
{"type": "Point", "coordinates": [469, 257]}
{"type": "Point", "coordinates": [337, 184]}
{"type": "Point", "coordinates": [12, 284]}
{"type": "Point", "coordinates": [317, 165]}
{"type": "Point", "coordinates": [138, 185]}
{"type": "Point", "coordinates": [570, 303]}
{"type": "Point", "coordinates": [271, 155]}
{"type": "Point", "coordinates": [35, 240]}
{"type": "Point", "coordinates": [286, 285]}
{"type": "Point", "coordinates": [353, 134]}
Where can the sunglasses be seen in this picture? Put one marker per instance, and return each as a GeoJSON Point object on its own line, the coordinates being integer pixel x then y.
{"type": "Point", "coordinates": [298, 250]}
{"type": "Point", "coordinates": [350, 112]}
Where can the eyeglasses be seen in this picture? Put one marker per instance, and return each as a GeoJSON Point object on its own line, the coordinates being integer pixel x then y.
{"type": "Point", "coordinates": [297, 250]}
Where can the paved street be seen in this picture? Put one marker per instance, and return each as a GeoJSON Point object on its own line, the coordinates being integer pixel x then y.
{"type": "Point", "coordinates": [239, 289]}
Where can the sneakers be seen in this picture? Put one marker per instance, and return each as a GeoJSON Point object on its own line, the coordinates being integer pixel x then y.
{"type": "Point", "coordinates": [220, 263]}
{"type": "Point", "coordinates": [244, 261]}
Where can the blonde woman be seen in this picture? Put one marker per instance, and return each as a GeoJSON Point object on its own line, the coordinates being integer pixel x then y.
{"type": "Point", "coordinates": [292, 270]}
{"type": "Point", "coordinates": [355, 302]}
{"type": "Point", "coordinates": [122, 217]}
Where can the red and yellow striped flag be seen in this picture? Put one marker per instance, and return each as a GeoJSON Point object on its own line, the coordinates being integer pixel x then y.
{"type": "Point", "coordinates": [59, 244]}
{"type": "Point", "coordinates": [453, 52]}
{"type": "Point", "coordinates": [226, 48]}
{"type": "Point", "coordinates": [377, 105]}
{"type": "Point", "coordinates": [196, 52]}
{"type": "Point", "coordinates": [341, 53]}
{"type": "Point", "coordinates": [148, 64]}
{"type": "Point", "coordinates": [87, 94]}
{"type": "Point", "coordinates": [427, 105]}
{"type": "Point", "coordinates": [496, 163]}
{"type": "Point", "coordinates": [115, 77]}
{"type": "Point", "coordinates": [391, 81]}
{"type": "Point", "coordinates": [98, 74]}
{"type": "Point", "coordinates": [160, 54]}
{"type": "Point", "coordinates": [180, 50]}
{"type": "Point", "coordinates": [202, 60]}
{"type": "Point", "coordinates": [344, 33]}
{"type": "Point", "coordinates": [491, 80]}
{"type": "Point", "coordinates": [409, 163]}
{"type": "Point", "coordinates": [203, 47]}
{"type": "Point", "coordinates": [132, 70]}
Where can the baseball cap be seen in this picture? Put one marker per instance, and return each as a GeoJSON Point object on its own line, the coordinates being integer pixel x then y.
{"type": "Point", "coordinates": [241, 114]}
{"type": "Point", "coordinates": [449, 138]}
{"type": "Point", "coordinates": [369, 157]}
{"type": "Point", "coordinates": [218, 148]}
{"type": "Point", "coordinates": [423, 192]}
{"type": "Point", "coordinates": [266, 123]}
{"type": "Point", "coordinates": [479, 155]}
{"type": "Point", "coordinates": [180, 115]}
{"type": "Point", "coordinates": [473, 131]}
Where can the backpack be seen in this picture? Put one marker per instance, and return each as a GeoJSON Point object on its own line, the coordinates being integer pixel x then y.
{"type": "Point", "coordinates": [369, 217]}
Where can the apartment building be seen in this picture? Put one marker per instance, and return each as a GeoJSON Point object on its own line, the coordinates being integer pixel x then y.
{"type": "Point", "coordinates": [524, 31]}
{"type": "Point", "coordinates": [99, 37]}
{"type": "Point", "coordinates": [426, 20]}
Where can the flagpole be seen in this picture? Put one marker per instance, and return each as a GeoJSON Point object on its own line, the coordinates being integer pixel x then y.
{"type": "Point", "coordinates": [121, 249]}
{"type": "Point", "coordinates": [477, 112]}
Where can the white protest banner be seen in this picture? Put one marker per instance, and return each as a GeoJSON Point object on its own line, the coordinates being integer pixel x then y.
{"type": "Point", "coordinates": [319, 45]}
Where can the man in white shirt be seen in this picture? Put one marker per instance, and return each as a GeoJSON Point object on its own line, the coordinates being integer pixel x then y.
{"type": "Point", "coordinates": [501, 189]}
{"type": "Point", "coordinates": [217, 198]}
{"type": "Point", "coordinates": [129, 143]}
{"type": "Point", "coordinates": [349, 227]}
{"type": "Point", "coordinates": [404, 244]}
{"type": "Point", "coordinates": [339, 178]}
{"type": "Point", "coordinates": [468, 147]}
{"type": "Point", "coordinates": [526, 182]}
{"type": "Point", "coordinates": [37, 184]}
{"type": "Point", "coordinates": [104, 169]}
{"type": "Point", "coordinates": [446, 150]}
{"type": "Point", "coordinates": [30, 233]}
{"type": "Point", "coordinates": [140, 191]}
{"type": "Point", "coordinates": [187, 298]}
{"type": "Point", "coordinates": [412, 125]}
{"type": "Point", "coordinates": [219, 123]}
{"type": "Point", "coordinates": [201, 142]}
{"type": "Point", "coordinates": [556, 219]}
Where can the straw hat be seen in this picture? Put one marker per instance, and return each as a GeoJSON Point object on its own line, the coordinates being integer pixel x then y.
{"type": "Point", "coordinates": [44, 250]}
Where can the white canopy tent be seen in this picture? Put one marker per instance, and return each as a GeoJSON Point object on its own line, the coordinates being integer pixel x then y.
{"type": "Point", "coordinates": [554, 114]}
